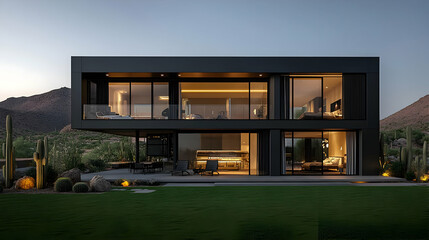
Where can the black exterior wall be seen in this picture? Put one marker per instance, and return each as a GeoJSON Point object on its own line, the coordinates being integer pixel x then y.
{"type": "Point", "coordinates": [270, 130]}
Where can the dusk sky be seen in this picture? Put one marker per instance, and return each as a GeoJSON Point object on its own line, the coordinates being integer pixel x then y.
{"type": "Point", "coordinates": [39, 37]}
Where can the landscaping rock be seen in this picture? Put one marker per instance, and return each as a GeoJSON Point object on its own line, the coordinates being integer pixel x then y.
{"type": "Point", "coordinates": [99, 184]}
{"type": "Point", "coordinates": [73, 174]}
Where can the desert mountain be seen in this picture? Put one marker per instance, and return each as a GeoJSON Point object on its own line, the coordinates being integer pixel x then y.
{"type": "Point", "coordinates": [44, 112]}
{"type": "Point", "coordinates": [415, 115]}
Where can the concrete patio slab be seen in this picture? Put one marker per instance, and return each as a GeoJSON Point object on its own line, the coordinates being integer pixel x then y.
{"type": "Point", "coordinates": [112, 175]}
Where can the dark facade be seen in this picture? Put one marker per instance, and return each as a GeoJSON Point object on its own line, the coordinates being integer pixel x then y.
{"type": "Point", "coordinates": [265, 115]}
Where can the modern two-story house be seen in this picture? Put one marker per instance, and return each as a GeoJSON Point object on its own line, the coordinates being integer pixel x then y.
{"type": "Point", "coordinates": [254, 115]}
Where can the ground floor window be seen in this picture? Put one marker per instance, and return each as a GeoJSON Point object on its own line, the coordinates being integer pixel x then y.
{"type": "Point", "coordinates": [236, 153]}
{"type": "Point", "coordinates": [319, 152]}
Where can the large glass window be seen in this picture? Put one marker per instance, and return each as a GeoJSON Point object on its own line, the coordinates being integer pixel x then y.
{"type": "Point", "coordinates": [258, 100]}
{"type": "Point", "coordinates": [327, 152]}
{"type": "Point", "coordinates": [160, 100]}
{"type": "Point", "coordinates": [236, 153]}
{"type": "Point", "coordinates": [223, 100]}
{"type": "Point", "coordinates": [119, 98]}
{"type": "Point", "coordinates": [141, 96]}
{"type": "Point", "coordinates": [316, 97]}
{"type": "Point", "coordinates": [307, 98]}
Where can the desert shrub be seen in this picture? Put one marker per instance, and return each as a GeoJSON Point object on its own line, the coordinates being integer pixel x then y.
{"type": "Point", "coordinates": [65, 155]}
{"type": "Point", "coordinates": [139, 182]}
{"type": "Point", "coordinates": [63, 184]}
{"type": "Point", "coordinates": [31, 172]}
{"type": "Point", "coordinates": [96, 165]}
{"type": "Point", "coordinates": [80, 187]}
{"type": "Point", "coordinates": [146, 182]}
{"type": "Point", "coordinates": [410, 176]}
{"type": "Point", "coordinates": [24, 148]}
{"type": "Point", "coordinates": [396, 169]}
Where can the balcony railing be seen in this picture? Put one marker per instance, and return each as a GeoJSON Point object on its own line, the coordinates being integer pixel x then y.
{"type": "Point", "coordinates": [189, 111]}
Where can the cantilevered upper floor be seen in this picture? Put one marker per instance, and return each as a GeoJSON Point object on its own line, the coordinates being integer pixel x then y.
{"type": "Point", "coordinates": [189, 93]}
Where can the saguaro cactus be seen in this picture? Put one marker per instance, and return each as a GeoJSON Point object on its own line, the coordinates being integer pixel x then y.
{"type": "Point", "coordinates": [404, 160]}
{"type": "Point", "coordinates": [9, 154]}
{"type": "Point", "coordinates": [45, 160]}
{"type": "Point", "coordinates": [409, 148]}
{"type": "Point", "coordinates": [38, 158]}
{"type": "Point", "coordinates": [424, 158]}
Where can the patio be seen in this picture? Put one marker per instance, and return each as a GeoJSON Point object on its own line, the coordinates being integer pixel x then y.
{"type": "Point", "coordinates": [112, 175]}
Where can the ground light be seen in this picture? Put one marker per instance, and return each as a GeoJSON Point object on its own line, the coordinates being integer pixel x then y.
{"type": "Point", "coordinates": [125, 183]}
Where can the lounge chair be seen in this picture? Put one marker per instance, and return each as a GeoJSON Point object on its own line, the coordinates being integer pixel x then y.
{"type": "Point", "coordinates": [182, 167]}
{"type": "Point", "coordinates": [211, 167]}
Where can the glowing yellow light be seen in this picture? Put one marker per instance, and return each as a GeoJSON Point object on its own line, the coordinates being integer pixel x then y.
{"type": "Point", "coordinates": [125, 183]}
{"type": "Point", "coordinates": [26, 183]}
{"type": "Point", "coordinates": [163, 97]}
{"type": "Point", "coordinates": [386, 174]}
{"type": "Point", "coordinates": [424, 178]}
{"type": "Point", "coordinates": [221, 91]}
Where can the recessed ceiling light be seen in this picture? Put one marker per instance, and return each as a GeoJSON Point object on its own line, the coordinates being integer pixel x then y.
{"type": "Point", "coordinates": [326, 86]}
{"type": "Point", "coordinates": [260, 75]}
{"type": "Point", "coordinates": [162, 75]}
{"type": "Point", "coordinates": [178, 75]}
{"type": "Point", "coordinates": [107, 74]}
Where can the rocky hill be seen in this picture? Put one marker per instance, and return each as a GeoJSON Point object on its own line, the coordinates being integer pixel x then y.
{"type": "Point", "coordinates": [415, 115]}
{"type": "Point", "coordinates": [40, 113]}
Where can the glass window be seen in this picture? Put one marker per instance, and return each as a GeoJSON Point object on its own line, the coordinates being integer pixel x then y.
{"type": "Point", "coordinates": [258, 100]}
{"type": "Point", "coordinates": [307, 98]}
{"type": "Point", "coordinates": [236, 153]}
{"type": "Point", "coordinates": [328, 152]}
{"type": "Point", "coordinates": [332, 97]}
{"type": "Point", "coordinates": [119, 98]}
{"type": "Point", "coordinates": [214, 100]}
{"type": "Point", "coordinates": [160, 100]}
{"type": "Point", "coordinates": [141, 100]}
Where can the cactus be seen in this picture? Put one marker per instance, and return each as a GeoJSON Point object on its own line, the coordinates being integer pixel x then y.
{"type": "Point", "coordinates": [45, 160]}
{"type": "Point", "coordinates": [63, 184]}
{"type": "Point", "coordinates": [37, 156]}
{"type": "Point", "coordinates": [404, 160]}
{"type": "Point", "coordinates": [80, 187]}
{"type": "Point", "coordinates": [409, 148]}
{"type": "Point", "coordinates": [424, 158]}
{"type": "Point", "coordinates": [417, 167]}
{"type": "Point", "coordinates": [9, 154]}
{"type": "Point", "coordinates": [382, 153]}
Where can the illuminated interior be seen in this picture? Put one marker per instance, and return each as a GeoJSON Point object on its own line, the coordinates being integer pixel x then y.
{"type": "Point", "coordinates": [223, 100]}
{"type": "Point", "coordinates": [319, 152]}
{"type": "Point", "coordinates": [236, 153]}
{"type": "Point", "coordinates": [316, 96]}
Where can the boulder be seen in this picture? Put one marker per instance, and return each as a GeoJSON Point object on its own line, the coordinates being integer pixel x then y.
{"type": "Point", "coordinates": [25, 183]}
{"type": "Point", "coordinates": [99, 184]}
{"type": "Point", "coordinates": [73, 174]}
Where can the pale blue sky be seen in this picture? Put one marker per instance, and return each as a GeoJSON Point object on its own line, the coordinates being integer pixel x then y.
{"type": "Point", "coordinates": [37, 38]}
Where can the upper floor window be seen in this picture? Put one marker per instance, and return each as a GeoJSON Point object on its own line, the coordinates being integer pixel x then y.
{"type": "Point", "coordinates": [315, 97]}
{"type": "Point", "coordinates": [223, 100]}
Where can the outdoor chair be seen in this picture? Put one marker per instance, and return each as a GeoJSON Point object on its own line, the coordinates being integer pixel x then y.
{"type": "Point", "coordinates": [182, 167]}
{"type": "Point", "coordinates": [156, 166]}
{"type": "Point", "coordinates": [211, 167]}
{"type": "Point", "coordinates": [137, 166]}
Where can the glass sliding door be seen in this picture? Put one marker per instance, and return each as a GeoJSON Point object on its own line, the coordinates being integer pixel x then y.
{"type": "Point", "coordinates": [119, 98]}
{"type": "Point", "coordinates": [307, 153]}
{"type": "Point", "coordinates": [307, 98]}
{"type": "Point", "coordinates": [141, 95]}
{"type": "Point", "coordinates": [258, 100]}
{"type": "Point", "coordinates": [332, 97]}
{"type": "Point", "coordinates": [160, 100]}
{"type": "Point", "coordinates": [316, 152]}
{"type": "Point", "coordinates": [236, 153]}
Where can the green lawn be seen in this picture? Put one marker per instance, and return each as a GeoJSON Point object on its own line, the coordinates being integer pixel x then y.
{"type": "Point", "coordinates": [221, 213]}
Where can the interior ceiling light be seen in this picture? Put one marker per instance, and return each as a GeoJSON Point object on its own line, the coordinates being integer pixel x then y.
{"type": "Point", "coordinates": [220, 91]}
{"type": "Point", "coordinates": [162, 74]}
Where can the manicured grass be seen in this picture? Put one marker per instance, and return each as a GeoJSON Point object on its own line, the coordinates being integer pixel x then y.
{"type": "Point", "coordinates": [221, 213]}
